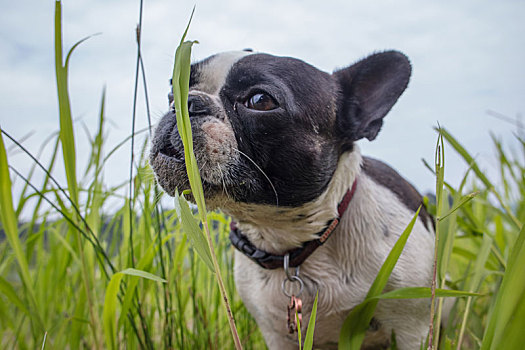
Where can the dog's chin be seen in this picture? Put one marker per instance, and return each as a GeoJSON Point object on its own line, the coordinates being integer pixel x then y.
{"type": "Point", "coordinates": [170, 171]}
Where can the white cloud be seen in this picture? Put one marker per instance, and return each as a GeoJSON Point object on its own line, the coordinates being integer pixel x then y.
{"type": "Point", "coordinates": [467, 57]}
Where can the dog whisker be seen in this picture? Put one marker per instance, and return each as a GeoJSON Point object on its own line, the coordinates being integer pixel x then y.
{"type": "Point", "coordinates": [224, 189]}
{"type": "Point", "coordinates": [262, 172]}
{"type": "Point", "coordinates": [202, 166]}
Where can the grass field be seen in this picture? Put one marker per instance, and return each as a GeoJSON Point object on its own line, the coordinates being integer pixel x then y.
{"type": "Point", "coordinates": [76, 275]}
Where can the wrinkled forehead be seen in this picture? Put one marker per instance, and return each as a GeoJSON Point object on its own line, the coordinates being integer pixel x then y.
{"type": "Point", "coordinates": [210, 74]}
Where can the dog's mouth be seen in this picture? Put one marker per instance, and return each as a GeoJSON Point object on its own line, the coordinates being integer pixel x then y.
{"type": "Point", "coordinates": [167, 144]}
{"type": "Point", "coordinates": [175, 154]}
{"type": "Point", "coordinates": [167, 156]}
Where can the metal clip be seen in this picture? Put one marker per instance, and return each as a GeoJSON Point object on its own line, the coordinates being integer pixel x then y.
{"type": "Point", "coordinates": [294, 308]}
{"type": "Point", "coordinates": [291, 278]}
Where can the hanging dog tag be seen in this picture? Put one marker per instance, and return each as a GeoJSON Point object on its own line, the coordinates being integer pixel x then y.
{"type": "Point", "coordinates": [296, 305]}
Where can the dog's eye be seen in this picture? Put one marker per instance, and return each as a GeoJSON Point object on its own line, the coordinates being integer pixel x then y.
{"type": "Point", "coordinates": [261, 102]}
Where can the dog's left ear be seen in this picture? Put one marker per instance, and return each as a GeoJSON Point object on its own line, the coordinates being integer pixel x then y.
{"type": "Point", "coordinates": [369, 89]}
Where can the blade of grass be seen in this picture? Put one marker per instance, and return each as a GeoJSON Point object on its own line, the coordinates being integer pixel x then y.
{"type": "Point", "coordinates": [447, 243]}
{"type": "Point", "coordinates": [132, 187]}
{"type": "Point", "coordinates": [30, 245]}
{"type": "Point", "coordinates": [7, 289]}
{"type": "Point", "coordinates": [445, 240]}
{"type": "Point", "coordinates": [23, 197]}
{"type": "Point", "coordinates": [475, 280]}
{"type": "Point", "coordinates": [364, 311]}
{"type": "Point", "coordinates": [508, 301]}
{"type": "Point", "coordinates": [181, 78]}
{"type": "Point", "coordinates": [67, 139]}
{"type": "Point", "coordinates": [299, 332]}
{"type": "Point", "coordinates": [109, 313]}
{"type": "Point", "coordinates": [191, 228]}
{"type": "Point", "coordinates": [458, 205]}
{"type": "Point", "coordinates": [66, 124]}
{"type": "Point", "coordinates": [64, 213]}
{"type": "Point", "coordinates": [44, 341]}
{"type": "Point", "coordinates": [468, 158]}
{"type": "Point", "coordinates": [143, 274]}
{"type": "Point", "coordinates": [354, 327]}
{"type": "Point", "coordinates": [10, 227]}
{"type": "Point", "coordinates": [513, 335]}
{"type": "Point", "coordinates": [146, 260]}
{"type": "Point", "coordinates": [309, 338]}
{"type": "Point", "coordinates": [423, 292]}
{"type": "Point", "coordinates": [439, 164]}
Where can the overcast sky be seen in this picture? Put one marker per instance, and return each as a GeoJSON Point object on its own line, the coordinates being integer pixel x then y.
{"type": "Point", "coordinates": [467, 57]}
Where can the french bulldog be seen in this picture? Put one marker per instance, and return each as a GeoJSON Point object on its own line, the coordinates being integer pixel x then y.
{"type": "Point", "coordinates": [275, 142]}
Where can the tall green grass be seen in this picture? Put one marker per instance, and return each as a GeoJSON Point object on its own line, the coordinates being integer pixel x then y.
{"type": "Point", "coordinates": [202, 241]}
{"type": "Point", "coordinates": [71, 277]}
{"type": "Point", "coordinates": [454, 218]}
{"type": "Point", "coordinates": [80, 281]}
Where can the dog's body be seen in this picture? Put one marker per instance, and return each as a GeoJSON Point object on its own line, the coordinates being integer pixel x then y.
{"type": "Point", "coordinates": [274, 139]}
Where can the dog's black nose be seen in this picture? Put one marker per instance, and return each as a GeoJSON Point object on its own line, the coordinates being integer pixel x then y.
{"type": "Point", "coordinates": [198, 106]}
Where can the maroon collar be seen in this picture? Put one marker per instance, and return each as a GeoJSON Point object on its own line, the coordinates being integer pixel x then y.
{"type": "Point", "coordinates": [298, 255]}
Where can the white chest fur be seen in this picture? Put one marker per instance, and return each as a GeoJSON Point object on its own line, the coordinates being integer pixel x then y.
{"type": "Point", "coordinates": [343, 269]}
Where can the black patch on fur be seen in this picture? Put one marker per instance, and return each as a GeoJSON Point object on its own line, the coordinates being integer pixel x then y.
{"type": "Point", "coordinates": [196, 68]}
{"type": "Point", "coordinates": [374, 325]}
{"type": "Point", "coordinates": [376, 338]}
{"type": "Point", "coordinates": [385, 231]}
{"type": "Point", "coordinates": [293, 144]}
{"type": "Point", "coordinates": [347, 280]}
{"type": "Point", "coordinates": [264, 276]}
{"type": "Point", "coordinates": [387, 177]}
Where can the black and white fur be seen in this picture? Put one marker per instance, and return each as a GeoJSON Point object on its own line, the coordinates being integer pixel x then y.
{"type": "Point", "coordinates": [281, 172]}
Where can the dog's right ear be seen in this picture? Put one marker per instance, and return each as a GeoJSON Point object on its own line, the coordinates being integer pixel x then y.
{"type": "Point", "coordinates": [369, 89]}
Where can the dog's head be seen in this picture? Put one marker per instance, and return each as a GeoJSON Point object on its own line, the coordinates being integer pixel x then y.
{"type": "Point", "coordinates": [270, 130]}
